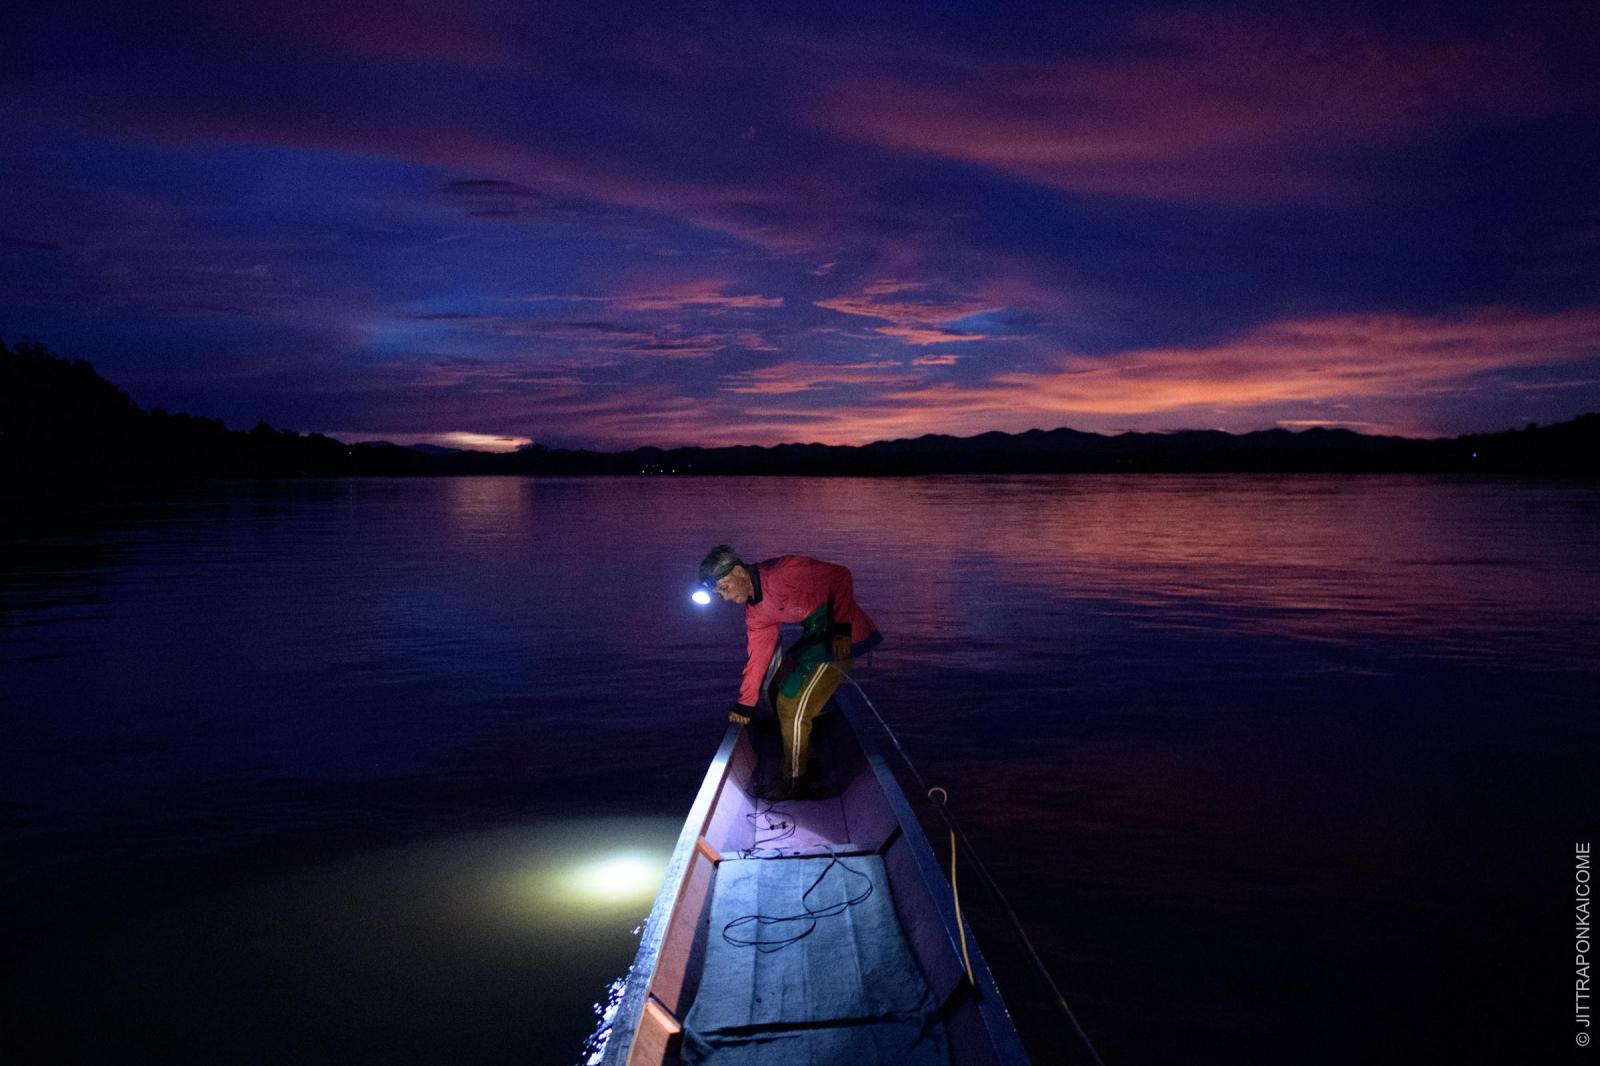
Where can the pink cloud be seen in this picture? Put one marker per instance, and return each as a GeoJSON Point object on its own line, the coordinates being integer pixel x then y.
{"type": "Point", "coordinates": [710, 296]}
{"type": "Point", "coordinates": [1309, 423]}
{"type": "Point", "coordinates": [485, 375]}
{"type": "Point", "coordinates": [682, 319]}
{"type": "Point", "coordinates": [577, 342]}
{"type": "Point", "coordinates": [1329, 358]}
{"type": "Point", "coordinates": [702, 296]}
{"type": "Point", "coordinates": [753, 341]}
{"type": "Point", "coordinates": [791, 377]}
{"type": "Point", "coordinates": [917, 313]}
{"type": "Point", "coordinates": [1212, 106]}
{"type": "Point", "coordinates": [903, 302]}
{"type": "Point", "coordinates": [923, 336]}
{"type": "Point", "coordinates": [1362, 370]}
{"type": "Point", "coordinates": [627, 416]}
{"type": "Point", "coordinates": [1374, 360]}
{"type": "Point", "coordinates": [508, 401]}
{"type": "Point", "coordinates": [859, 423]}
{"type": "Point", "coordinates": [1542, 386]}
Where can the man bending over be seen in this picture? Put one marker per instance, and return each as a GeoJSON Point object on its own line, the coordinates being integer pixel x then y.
{"type": "Point", "coordinates": [834, 629]}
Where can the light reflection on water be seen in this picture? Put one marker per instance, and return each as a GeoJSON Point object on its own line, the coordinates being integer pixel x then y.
{"type": "Point", "coordinates": [453, 950]}
{"type": "Point", "coordinates": [1327, 557]}
{"type": "Point", "coordinates": [254, 739]}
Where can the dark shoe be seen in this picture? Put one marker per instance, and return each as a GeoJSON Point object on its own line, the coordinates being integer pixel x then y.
{"type": "Point", "coordinates": [778, 789]}
{"type": "Point", "coordinates": [818, 780]}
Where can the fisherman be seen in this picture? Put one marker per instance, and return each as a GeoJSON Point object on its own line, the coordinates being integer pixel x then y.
{"type": "Point", "coordinates": [821, 597]}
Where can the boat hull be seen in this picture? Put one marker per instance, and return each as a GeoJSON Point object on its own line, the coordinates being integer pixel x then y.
{"type": "Point", "coordinates": [859, 811]}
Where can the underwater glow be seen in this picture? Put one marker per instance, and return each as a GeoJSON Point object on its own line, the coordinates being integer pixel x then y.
{"type": "Point", "coordinates": [616, 877]}
{"type": "Point", "coordinates": [701, 596]}
{"type": "Point", "coordinates": [581, 874]}
{"type": "Point", "coordinates": [609, 880]}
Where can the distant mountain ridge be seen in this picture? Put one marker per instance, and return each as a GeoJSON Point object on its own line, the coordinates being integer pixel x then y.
{"type": "Point", "coordinates": [60, 418]}
{"type": "Point", "coordinates": [1569, 447]}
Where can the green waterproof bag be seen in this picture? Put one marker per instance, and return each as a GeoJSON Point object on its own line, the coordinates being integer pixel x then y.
{"type": "Point", "coordinates": [812, 648]}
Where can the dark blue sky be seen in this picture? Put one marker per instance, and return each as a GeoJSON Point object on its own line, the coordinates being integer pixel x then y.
{"type": "Point", "coordinates": [607, 225]}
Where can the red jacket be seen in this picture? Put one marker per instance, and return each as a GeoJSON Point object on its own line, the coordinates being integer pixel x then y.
{"type": "Point", "coordinates": [791, 587]}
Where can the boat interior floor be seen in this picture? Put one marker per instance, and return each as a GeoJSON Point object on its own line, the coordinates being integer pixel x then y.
{"type": "Point", "coordinates": [804, 958]}
{"type": "Point", "coordinates": [816, 822]}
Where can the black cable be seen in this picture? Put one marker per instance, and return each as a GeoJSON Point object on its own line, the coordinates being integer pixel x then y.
{"type": "Point", "coordinates": [810, 914]}
{"type": "Point", "coordinates": [772, 820]}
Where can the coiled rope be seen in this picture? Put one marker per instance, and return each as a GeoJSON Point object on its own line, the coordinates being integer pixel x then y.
{"type": "Point", "coordinates": [983, 872]}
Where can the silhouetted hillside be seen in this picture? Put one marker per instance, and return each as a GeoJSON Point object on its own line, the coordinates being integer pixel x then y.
{"type": "Point", "coordinates": [1570, 447]}
{"type": "Point", "coordinates": [61, 419]}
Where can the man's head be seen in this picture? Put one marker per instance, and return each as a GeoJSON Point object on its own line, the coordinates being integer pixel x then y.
{"type": "Point", "coordinates": [722, 573]}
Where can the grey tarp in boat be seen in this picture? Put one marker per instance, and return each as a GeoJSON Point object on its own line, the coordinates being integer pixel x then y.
{"type": "Point", "coordinates": [850, 991]}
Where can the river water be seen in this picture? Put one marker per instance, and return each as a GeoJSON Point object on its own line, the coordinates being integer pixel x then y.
{"type": "Point", "coordinates": [1273, 768]}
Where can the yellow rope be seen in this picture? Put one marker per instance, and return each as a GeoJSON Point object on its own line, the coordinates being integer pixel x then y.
{"type": "Point", "coordinates": [988, 879]}
{"type": "Point", "coordinates": [955, 893]}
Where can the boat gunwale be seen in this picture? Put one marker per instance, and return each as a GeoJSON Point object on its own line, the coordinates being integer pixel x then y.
{"type": "Point", "coordinates": [641, 974]}
{"type": "Point", "coordinates": [998, 1026]}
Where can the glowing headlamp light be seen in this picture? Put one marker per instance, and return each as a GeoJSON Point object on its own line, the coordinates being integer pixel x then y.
{"type": "Point", "coordinates": [700, 596]}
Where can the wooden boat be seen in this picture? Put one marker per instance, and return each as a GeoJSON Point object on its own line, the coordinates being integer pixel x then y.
{"type": "Point", "coordinates": [859, 956]}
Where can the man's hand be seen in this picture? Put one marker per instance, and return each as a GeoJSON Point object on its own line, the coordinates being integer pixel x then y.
{"type": "Point", "coordinates": [740, 715]}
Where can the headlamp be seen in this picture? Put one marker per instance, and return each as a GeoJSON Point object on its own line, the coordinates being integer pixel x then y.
{"type": "Point", "coordinates": [700, 596]}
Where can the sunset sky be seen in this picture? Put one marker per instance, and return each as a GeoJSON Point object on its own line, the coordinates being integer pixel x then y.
{"type": "Point", "coordinates": [605, 225]}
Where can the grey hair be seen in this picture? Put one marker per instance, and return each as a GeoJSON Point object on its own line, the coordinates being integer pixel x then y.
{"type": "Point", "coordinates": [717, 564]}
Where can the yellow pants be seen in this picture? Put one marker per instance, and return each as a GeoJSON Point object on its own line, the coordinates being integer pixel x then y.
{"type": "Point", "coordinates": [796, 713]}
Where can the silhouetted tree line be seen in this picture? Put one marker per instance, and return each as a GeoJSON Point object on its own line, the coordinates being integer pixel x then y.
{"type": "Point", "coordinates": [58, 418]}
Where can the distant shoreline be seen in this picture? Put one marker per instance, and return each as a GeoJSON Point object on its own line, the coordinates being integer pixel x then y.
{"type": "Point", "coordinates": [61, 422]}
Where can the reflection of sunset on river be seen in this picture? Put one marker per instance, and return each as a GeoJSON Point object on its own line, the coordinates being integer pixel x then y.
{"type": "Point", "coordinates": [1326, 558]}
{"type": "Point", "coordinates": [1316, 557]}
